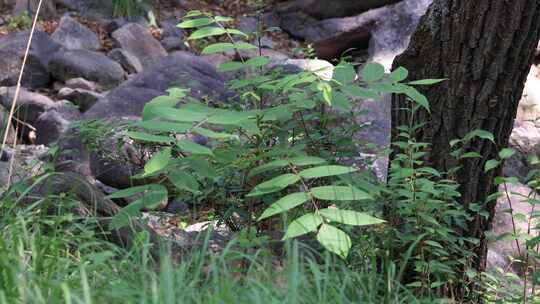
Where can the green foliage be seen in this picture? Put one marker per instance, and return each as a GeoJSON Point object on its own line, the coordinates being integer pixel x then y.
{"type": "Point", "coordinates": [131, 8]}
{"type": "Point", "coordinates": [20, 22]}
{"type": "Point", "coordinates": [277, 144]}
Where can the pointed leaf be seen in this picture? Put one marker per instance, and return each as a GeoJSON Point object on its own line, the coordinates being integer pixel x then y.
{"type": "Point", "coordinates": [399, 74]}
{"type": "Point", "coordinates": [207, 32]}
{"type": "Point", "coordinates": [349, 217]}
{"type": "Point", "coordinates": [491, 164]}
{"type": "Point", "coordinates": [184, 181]}
{"type": "Point", "coordinates": [280, 163]}
{"type": "Point", "coordinates": [231, 66]}
{"type": "Point", "coordinates": [339, 193]}
{"type": "Point", "coordinates": [285, 203]}
{"type": "Point", "coordinates": [506, 153]}
{"type": "Point", "coordinates": [141, 136]}
{"type": "Point", "coordinates": [193, 147]}
{"type": "Point", "coordinates": [426, 81]}
{"type": "Point", "coordinates": [274, 185]}
{"type": "Point", "coordinates": [302, 225]}
{"type": "Point", "coordinates": [195, 23]}
{"type": "Point", "coordinates": [324, 171]}
{"type": "Point", "coordinates": [334, 240]}
{"type": "Point", "coordinates": [218, 48]}
{"type": "Point", "coordinates": [159, 161]}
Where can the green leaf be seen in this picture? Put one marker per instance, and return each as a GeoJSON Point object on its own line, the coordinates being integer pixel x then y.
{"type": "Point", "coordinates": [426, 81]}
{"type": "Point", "coordinates": [326, 91]}
{"type": "Point", "coordinates": [206, 32]}
{"type": "Point", "coordinates": [245, 46]}
{"type": "Point", "coordinates": [163, 126]}
{"type": "Point", "coordinates": [149, 137]}
{"type": "Point", "coordinates": [506, 153]}
{"type": "Point", "coordinates": [417, 97]}
{"type": "Point", "coordinates": [237, 32]}
{"type": "Point", "coordinates": [372, 72]}
{"type": "Point", "coordinates": [344, 73]}
{"type": "Point", "coordinates": [184, 181]}
{"type": "Point", "coordinates": [334, 240]}
{"type": "Point", "coordinates": [399, 74]}
{"type": "Point", "coordinates": [324, 171]}
{"type": "Point", "coordinates": [193, 147]}
{"type": "Point", "coordinates": [359, 92]}
{"type": "Point", "coordinates": [223, 19]}
{"type": "Point", "coordinates": [280, 163]}
{"type": "Point", "coordinates": [193, 13]}
{"type": "Point", "coordinates": [159, 161]}
{"type": "Point", "coordinates": [471, 155]}
{"type": "Point", "coordinates": [306, 161]}
{"type": "Point", "coordinates": [218, 48]}
{"type": "Point", "coordinates": [285, 203]}
{"type": "Point", "coordinates": [130, 191]}
{"type": "Point", "coordinates": [491, 164]}
{"type": "Point", "coordinates": [341, 102]}
{"type": "Point", "coordinates": [302, 225]}
{"type": "Point", "coordinates": [231, 66]}
{"type": "Point", "coordinates": [339, 193]}
{"type": "Point", "coordinates": [195, 23]}
{"type": "Point", "coordinates": [212, 134]}
{"type": "Point", "coordinates": [257, 61]}
{"type": "Point", "coordinates": [480, 134]}
{"type": "Point", "coordinates": [123, 217]}
{"type": "Point", "coordinates": [274, 185]}
{"type": "Point", "coordinates": [349, 217]}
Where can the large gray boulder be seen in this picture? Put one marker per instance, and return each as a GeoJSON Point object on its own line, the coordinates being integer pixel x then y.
{"type": "Point", "coordinates": [110, 165]}
{"type": "Point", "coordinates": [181, 69]}
{"type": "Point", "coordinates": [36, 73]}
{"type": "Point", "coordinates": [138, 41]}
{"type": "Point", "coordinates": [29, 105]}
{"type": "Point", "coordinates": [331, 9]}
{"type": "Point", "coordinates": [93, 66]}
{"type": "Point", "coordinates": [74, 36]}
{"type": "Point", "coordinates": [331, 37]}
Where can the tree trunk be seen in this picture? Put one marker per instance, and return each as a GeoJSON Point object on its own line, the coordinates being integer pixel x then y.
{"type": "Point", "coordinates": [485, 48]}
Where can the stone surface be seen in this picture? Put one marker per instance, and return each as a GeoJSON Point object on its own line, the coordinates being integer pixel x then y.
{"type": "Point", "coordinates": [81, 83]}
{"type": "Point", "coordinates": [4, 115]}
{"type": "Point", "coordinates": [29, 104]}
{"type": "Point", "coordinates": [94, 9]}
{"type": "Point", "coordinates": [127, 60]}
{"type": "Point", "coordinates": [12, 48]}
{"type": "Point", "coordinates": [331, 37]}
{"type": "Point", "coordinates": [73, 35]}
{"type": "Point", "coordinates": [331, 9]}
{"type": "Point", "coordinates": [52, 123]}
{"type": "Point", "coordinates": [83, 99]}
{"type": "Point", "coordinates": [90, 65]}
{"type": "Point", "coordinates": [178, 69]}
{"type": "Point", "coordinates": [138, 41]}
{"type": "Point", "coordinates": [48, 8]}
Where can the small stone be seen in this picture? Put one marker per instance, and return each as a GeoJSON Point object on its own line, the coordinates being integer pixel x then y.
{"type": "Point", "coordinates": [81, 83]}
{"type": "Point", "coordinates": [127, 60]}
{"type": "Point", "coordinates": [90, 65]}
{"type": "Point", "coordinates": [84, 99]}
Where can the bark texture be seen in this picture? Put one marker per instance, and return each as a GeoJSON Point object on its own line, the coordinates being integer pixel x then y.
{"type": "Point", "coordinates": [485, 48]}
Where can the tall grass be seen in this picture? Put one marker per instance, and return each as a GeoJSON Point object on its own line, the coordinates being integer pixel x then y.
{"type": "Point", "coordinates": [49, 255]}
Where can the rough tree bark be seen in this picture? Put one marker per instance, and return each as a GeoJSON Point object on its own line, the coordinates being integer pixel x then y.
{"type": "Point", "coordinates": [485, 48]}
